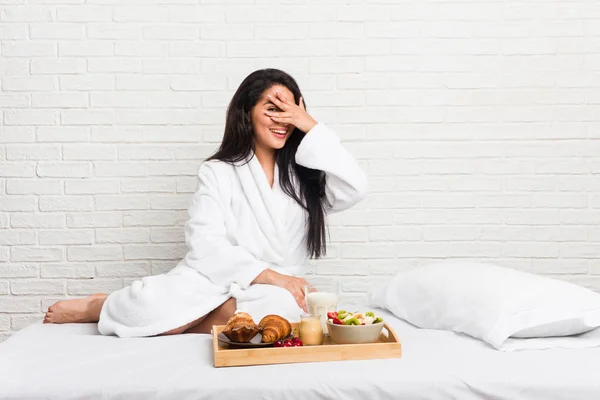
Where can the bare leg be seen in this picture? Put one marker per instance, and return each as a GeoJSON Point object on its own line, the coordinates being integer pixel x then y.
{"type": "Point", "coordinates": [182, 329]}
{"type": "Point", "coordinates": [88, 310]}
{"type": "Point", "coordinates": [76, 310]}
{"type": "Point", "coordinates": [218, 316]}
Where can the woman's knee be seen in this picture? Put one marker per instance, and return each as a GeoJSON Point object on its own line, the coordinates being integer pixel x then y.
{"type": "Point", "coordinates": [221, 313]}
{"type": "Point", "coordinates": [228, 308]}
{"type": "Point", "coordinates": [181, 329]}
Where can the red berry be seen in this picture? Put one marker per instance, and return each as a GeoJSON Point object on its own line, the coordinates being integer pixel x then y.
{"type": "Point", "coordinates": [298, 343]}
{"type": "Point", "coordinates": [332, 315]}
{"type": "Point", "coordinates": [288, 343]}
{"type": "Point", "coordinates": [278, 343]}
{"type": "Point", "coordinates": [337, 321]}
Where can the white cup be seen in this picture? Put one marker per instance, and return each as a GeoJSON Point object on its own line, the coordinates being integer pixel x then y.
{"type": "Point", "coordinates": [322, 299]}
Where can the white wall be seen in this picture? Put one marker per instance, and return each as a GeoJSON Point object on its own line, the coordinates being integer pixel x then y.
{"type": "Point", "coordinates": [477, 122]}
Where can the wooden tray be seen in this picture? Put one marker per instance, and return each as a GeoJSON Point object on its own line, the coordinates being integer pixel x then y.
{"type": "Point", "coordinates": [388, 346]}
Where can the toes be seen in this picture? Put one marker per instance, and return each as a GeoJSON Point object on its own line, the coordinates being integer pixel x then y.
{"type": "Point", "coordinates": [48, 317]}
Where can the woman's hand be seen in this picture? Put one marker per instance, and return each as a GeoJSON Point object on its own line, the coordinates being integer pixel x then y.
{"type": "Point", "coordinates": [292, 284]}
{"type": "Point", "coordinates": [291, 113]}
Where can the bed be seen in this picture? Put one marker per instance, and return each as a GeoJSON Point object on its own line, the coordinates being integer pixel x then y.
{"type": "Point", "coordinates": [75, 362]}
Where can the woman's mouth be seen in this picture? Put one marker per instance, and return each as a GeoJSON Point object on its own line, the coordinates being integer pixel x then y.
{"type": "Point", "coordinates": [279, 133]}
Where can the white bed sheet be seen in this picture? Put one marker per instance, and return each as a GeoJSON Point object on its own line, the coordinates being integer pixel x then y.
{"type": "Point", "coordinates": [75, 362]}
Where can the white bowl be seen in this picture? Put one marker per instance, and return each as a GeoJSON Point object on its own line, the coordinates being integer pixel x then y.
{"type": "Point", "coordinates": [352, 334]}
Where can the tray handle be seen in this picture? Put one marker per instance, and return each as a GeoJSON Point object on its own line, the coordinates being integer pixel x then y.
{"type": "Point", "coordinates": [389, 334]}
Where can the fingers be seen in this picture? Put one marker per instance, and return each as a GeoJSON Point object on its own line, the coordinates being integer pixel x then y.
{"type": "Point", "coordinates": [283, 105]}
{"type": "Point", "coordinates": [284, 120]}
{"type": "Point", "coordinates": [301, 303]}
{"type": "Point", "coordinates": [296, 287]}
{"type": "Point", "coordinates": [300, 299]}
{"type": "Point", "coordinates": [308, 287]}
{"type": "Point", "coordinates": [301, 294]}
{"type": "Point", "coordinates": [281, 120]}
{"type": "Point", "coordinates": [283, 98]}
{"type": "Point", "coordinates": [302, 286]}
{"type": "Point", "coordinates": [278, 114]}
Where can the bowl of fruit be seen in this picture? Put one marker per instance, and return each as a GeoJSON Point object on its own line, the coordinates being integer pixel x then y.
{"type": "Point", "coordinates": [350, 328]}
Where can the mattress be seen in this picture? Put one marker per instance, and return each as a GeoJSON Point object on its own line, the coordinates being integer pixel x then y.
{"type": "Point", "coordinates": [75, 362]}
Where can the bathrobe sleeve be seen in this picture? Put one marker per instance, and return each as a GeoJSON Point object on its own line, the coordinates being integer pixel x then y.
{"type": "Point", "coordinates": [346, 183]}
{"type": "Point", "coordinates": [209, 250]}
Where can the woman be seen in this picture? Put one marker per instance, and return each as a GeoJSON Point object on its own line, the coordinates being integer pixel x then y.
{"type": "Point", "coordinates": [256, 218]}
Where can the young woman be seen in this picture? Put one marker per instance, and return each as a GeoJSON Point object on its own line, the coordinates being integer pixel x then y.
{"type": "Point", "coordinates": [256, 218]}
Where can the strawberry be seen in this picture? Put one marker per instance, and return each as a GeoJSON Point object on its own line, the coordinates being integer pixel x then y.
{"type": "Point", "coordinates": [332, 315]}
{"type": "Point", "coordinates": [337, 321]}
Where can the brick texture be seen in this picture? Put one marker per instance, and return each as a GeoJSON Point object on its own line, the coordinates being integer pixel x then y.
{"type": "Point", "coordinates": [478, 124]}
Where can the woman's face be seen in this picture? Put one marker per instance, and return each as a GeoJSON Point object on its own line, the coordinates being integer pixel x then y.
{"type": "Point", "coordinates": [268, 134]}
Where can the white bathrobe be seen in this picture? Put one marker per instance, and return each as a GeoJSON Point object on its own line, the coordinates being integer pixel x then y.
{"type": "Point", "coordinates": [239, 226]}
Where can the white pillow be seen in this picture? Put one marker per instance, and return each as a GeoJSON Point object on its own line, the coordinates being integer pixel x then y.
{"type": "Point", "coordinates": [488, 302]}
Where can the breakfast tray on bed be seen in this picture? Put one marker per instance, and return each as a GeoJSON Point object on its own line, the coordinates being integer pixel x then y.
{"type": "Point", "coordinates": [388, 346]}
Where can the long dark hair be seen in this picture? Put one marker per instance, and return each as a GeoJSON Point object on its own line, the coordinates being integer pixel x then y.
{"type": "Point", "coordinates": [238, 143]}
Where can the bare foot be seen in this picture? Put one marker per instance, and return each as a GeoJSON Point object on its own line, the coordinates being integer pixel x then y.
{"type": "Point", "coordinates": [76, 310]}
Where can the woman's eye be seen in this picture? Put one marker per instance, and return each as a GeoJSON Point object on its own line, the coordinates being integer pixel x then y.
{"type": "Point", "coordinates": [273, 109]}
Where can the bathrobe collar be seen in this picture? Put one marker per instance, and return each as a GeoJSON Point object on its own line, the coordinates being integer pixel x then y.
{"type": "Point", "coordinates": [266, 205]}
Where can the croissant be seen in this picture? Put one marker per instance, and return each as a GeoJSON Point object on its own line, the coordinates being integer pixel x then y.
{"type": "Point", "coordinates": [241, 328]}
{"type": "Point", "coordinates": [274, 328]}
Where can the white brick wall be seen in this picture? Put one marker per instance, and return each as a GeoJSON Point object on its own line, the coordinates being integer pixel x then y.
{"type": "Point", "coordinates": [478, 124]}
